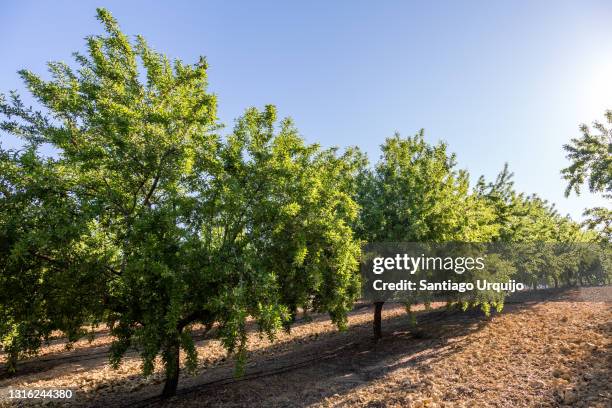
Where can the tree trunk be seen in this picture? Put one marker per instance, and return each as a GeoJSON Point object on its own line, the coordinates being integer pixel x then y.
{"type": "Point", "coordinates": [172, 369]}
{"type": "Point", "coordinates": [11, 362]}
{"type": "Point", "coordinates": [292, 317]}
{"type": "Point", "coordinates": [378, 320]}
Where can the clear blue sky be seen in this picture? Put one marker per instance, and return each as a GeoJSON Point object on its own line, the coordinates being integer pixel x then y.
{"type": "Point", "coordinates": [500, 81]}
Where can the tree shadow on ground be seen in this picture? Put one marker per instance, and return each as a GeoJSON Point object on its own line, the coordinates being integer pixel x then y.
{"type": "Point", "coordinates": [334, 362]}
{"type": "Point", "coordinates": [97, 356]}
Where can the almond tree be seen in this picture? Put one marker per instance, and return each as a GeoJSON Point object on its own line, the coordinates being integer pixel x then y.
{"type": "Point", "coordinates": [415, 193]}
{"type": "Point", "coordinates": [183, 227]}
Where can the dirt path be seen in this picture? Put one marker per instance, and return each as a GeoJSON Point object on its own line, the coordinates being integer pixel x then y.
{"type": "Point", "coordinates": [545, 353]}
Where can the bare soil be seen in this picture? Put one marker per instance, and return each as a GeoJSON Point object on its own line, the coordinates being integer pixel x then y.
{"type": "Point", "coordinates": [548, 351]}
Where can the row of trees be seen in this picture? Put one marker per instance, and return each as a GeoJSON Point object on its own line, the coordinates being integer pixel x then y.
{"type": "Point", "coordinates": [147, 219]}
{"type": "Point", "coordinates": [416, 193]}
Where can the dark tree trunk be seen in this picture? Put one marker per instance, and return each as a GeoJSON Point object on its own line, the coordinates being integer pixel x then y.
{"type": "Point", "coordinates": [172, 370]}
{"type": "Point", "coordinates": [292, 317]}
{"type": "Point", "coordinates": [378, 320]}
{"type": "Point", "coordinates": [11, 362]}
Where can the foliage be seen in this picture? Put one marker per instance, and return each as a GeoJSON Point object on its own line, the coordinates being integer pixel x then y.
{"type": "Point", "coordinates": [48, 265]}
{"type": "Point", "coordinates": [416, 194]}
{"type": "Point", "coordinates": [591, 159]}
{"type": "Point", "coordinates": [591, 163]}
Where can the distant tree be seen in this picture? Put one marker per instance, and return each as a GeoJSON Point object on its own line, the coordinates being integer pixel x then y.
{"type": "Point", "coordinates": [545, 247]}
{"type": "Point", "coordinates": [158, 223]}
{"type": "Point", "coordinates": [591, 164]}
{"type": "Point", "coordinates": [502, 198]}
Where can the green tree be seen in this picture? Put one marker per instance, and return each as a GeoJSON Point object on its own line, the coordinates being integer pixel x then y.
{"type": "Point", "coordinates": [415, 193]}
{"type": "Point", "coordinates": [187, 227]}
{"type": "Point", "coordinates": [591, 163]}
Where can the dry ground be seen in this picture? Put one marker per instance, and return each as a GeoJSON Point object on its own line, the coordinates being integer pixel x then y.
{"type": "Point", "coordinates": [551, 351]}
